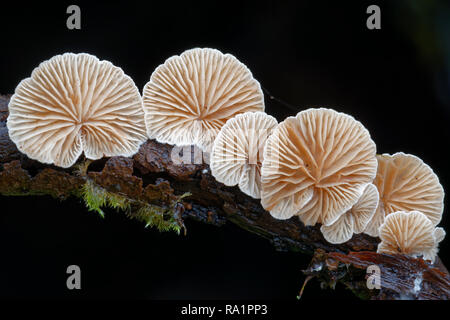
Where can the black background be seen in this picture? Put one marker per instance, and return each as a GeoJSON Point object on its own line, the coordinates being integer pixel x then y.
{"type": "Point", "coordinates": [306, 53]}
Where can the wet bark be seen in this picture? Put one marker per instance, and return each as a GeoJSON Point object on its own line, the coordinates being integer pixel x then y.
{"type": "Point", "coordinates": [151, 177]}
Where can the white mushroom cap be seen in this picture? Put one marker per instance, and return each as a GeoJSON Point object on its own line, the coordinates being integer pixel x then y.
{"type": "Point", "coordinates": [355, 220]}
{"type": "Point", "coordinates": [74, 103]}
{"type": "Point", "coordinates": [406, 183]}
{"type": "Point", "coordinates": [191, 96]}
{"type": "Point", "coordinates": [316, 165]}
{"type": "Point", "coordinates": [237, 152]}
{"type": "Point", "coordinates": [410, 233]}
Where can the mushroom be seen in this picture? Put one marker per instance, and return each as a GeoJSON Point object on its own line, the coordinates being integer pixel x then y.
{"type": "Point", "coordinates": [354, 220]}
{"type": "Point", "coordinates": [316, 165]}
{"type": "Point", "coordinates": [74, 103]}
{"type": "Point", "coordinates": [406, 183]}
{"type": "Point", "coordinates": [191, 96]}
{"type": "Point", "coordinates": [410, 233]}
{"type": "Point", "coordinates": [237, 152]}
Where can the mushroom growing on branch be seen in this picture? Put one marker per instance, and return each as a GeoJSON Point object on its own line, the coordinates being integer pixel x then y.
{"type": "Point", "coordinates": [406, 183]}
{"type": "Point", "coordinates": [410, 233]}
{"type": "Point", "coordinates": [316, 165]}
{"type": "Point", "coordinates": [237, 152]}
{"type": "Point", "coordinates": [355, 220]}
{"type": "Point", "coordinates": [74, 103]}
{"type": "Point", "coordinates": [191, 96]}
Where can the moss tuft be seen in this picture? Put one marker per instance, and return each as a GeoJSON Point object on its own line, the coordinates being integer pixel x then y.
{"type": "Point", "coordinates": [94, 197]}
{"type": "Point", "coordinates": [162, 218]}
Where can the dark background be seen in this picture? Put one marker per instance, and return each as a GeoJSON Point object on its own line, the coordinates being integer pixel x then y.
{"type": "Point", "coordinates": [396, 81]}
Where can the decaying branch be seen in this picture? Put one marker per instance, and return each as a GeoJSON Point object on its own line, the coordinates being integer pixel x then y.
{"type": "Point", "coordinates": [150, 187]}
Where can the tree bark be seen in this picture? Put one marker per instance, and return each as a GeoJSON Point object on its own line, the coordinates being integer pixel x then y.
{"type": "Point", "coordinates": [150, 177]}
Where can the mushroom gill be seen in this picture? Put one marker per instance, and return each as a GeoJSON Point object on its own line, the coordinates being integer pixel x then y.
{"type": "Point", "coordinates": [74, 103]}
{"type": "Point", "coordinates": [410, 233]}
{"type": "Point", "coordinates": [191, 96]}
{"type": "Point", "coordinates": [316, 165]}
{"type": "Point", "coordinates": [237, 152]}
{"type": "Point", "coordinates": [406, 183]}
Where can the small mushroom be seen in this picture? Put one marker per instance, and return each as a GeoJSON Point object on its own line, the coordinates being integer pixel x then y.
{"type": "Point", "coordinates": [410, 233]}
{"type": "Point", "coordinates": [316, 165]}
{"type": "Point", "coordinates": [354, 220]}
{"type": "Point", "coordinates": [191, 96]}
{"type": "Point", "coordinates": [74, 103]}
{"type": "Point", "coordinates": [406, 183]}
{"type": "Point", "coordinates": [237, 152]}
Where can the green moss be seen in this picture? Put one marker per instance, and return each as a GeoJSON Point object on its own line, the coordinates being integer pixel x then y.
{"type": "Point", "coordinates": [163, 218]}
{"type": "Point", "coordinates": [94, 197]}
{"type": "Point", "coordinates": [157, 217]}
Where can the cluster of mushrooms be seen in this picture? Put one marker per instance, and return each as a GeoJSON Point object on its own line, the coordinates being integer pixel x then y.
{"type": "Point", "coordinates": [320, 165]}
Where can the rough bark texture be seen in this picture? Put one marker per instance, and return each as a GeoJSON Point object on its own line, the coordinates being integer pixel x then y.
{"type": "Point", "coordinates": [151, 177]}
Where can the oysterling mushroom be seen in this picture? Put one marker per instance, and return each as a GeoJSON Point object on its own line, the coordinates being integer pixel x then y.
{"type": "Point", "coordinates": [74, 103]}
{"type": "Point", "coordinates": [406, 183]}
{"type": "Point", "coordinates": [316, 165]}
{"type": "Point", "coordinates": [237, 152]}
{"type": "Point", "coordinates": [191, 96]}
{"type": "Point", "coordinates": [354, 220]}
{"type": "Point", "coordinates": [410, 233]}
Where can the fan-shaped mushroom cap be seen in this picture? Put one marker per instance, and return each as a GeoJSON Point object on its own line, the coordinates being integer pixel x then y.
{"type": "Point", "coordinates": [316, 165]}
{"type": "Point", "coordinates": [237, 152]}
{"type": "Point", "coordinates": [406, 183]}
{"type": "Point", "coordinates": [355, 220]}
{"type": "Point", "coordinates": [191, 96]}
{"type": "Point", "coordinates": [410, 233]}
{"type": "Point", "coordinates": [74, 103]}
